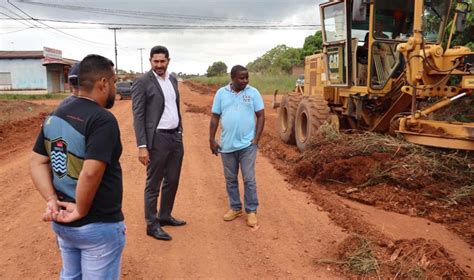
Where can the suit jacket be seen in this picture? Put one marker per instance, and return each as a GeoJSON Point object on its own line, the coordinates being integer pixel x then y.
{"type": "Point", "coordinates": [148, 104]}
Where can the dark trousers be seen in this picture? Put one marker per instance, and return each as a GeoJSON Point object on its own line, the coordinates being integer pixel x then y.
{"type": "Point", "coordinates": [163, 170]}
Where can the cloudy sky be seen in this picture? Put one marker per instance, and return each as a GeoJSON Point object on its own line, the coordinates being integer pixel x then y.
{"type": "Point", "coordinates": [61, 24]}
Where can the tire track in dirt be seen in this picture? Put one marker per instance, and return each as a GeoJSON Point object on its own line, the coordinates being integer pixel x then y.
{"type": "Point", "coordinates": [381, 225]}
{"type": "Point", "coordinates": [293, 232]}
{"type": "Point", "coordinates": [26, 240]}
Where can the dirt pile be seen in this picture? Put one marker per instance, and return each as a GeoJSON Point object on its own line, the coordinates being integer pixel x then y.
{"type": "Point", "coordinates": [461, 111]}
{"type": "Point", "coordinates": [395, 175]}
{"type": "Point", "coordinates": [368, 159]}
{"type": "Point", "coordinates": [12, 111]}
{"type": "Point", "coordinates": [19, 120]}
{"type": "Point", "coordinates": [349, 165]}
{"type": "Point", "coordinates": [346, 169]}
{"type": "Point", "coordinates": [201, 88]}
{"type": "Point", "coordinates": [191, 108]}
{"type": "Point", "coordinates": [406, 259]}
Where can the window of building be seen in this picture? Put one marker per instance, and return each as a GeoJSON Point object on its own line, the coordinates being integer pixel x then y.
{"type": "Point", "coordinates": [5, 78]}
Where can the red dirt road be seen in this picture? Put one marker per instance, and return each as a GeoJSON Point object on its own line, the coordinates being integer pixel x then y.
{"type": "Point", "coordinates": [293, 234]}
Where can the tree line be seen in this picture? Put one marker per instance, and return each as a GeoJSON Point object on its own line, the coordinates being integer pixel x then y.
{"type": "Point", "coordinates": [278, 60]}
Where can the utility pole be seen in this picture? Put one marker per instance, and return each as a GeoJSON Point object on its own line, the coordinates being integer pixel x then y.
{"type": "Point", "coordinates": [141, 58]}
{"type": "Point", "coordinates": [115, 40]}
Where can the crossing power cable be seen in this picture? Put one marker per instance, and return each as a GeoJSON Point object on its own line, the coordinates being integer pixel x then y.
{"type": "Point", "coordinates": [144, 14]}
{"type": "Point", "coordinates": [57, 30]}
{"type": "Point", "coordinates": [19, 17]}
{"type": "Point", "coordinates": [177, 26]}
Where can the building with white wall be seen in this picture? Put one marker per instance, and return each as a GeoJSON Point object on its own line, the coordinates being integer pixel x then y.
{"type": "Point", "coordinates": [34, 70]}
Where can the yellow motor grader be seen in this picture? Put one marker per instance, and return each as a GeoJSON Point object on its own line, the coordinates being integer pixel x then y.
{"type": "Point", "coordinates": [383, 63]}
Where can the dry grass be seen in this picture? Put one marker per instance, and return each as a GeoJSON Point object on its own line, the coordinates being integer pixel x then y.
{"type": "Point", "coordinates": [422, 259]}
{"type": "Point", "coordinates": [402, 259]}
{"type": "Point", "coordinates": [356, 256]}
{"type": "Point", "coordinates": [460, 195]}
{"type": "Point", "coordinates": [362, 260]}
{"type": "Point", "coordinates": [408, 165]}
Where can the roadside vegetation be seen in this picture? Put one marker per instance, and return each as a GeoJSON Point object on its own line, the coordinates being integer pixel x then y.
{"type": "Point", "coordinates": [19, 96]}
{"type": "Point", "coordinates": [390, 173]}
{"type": "Point", "coordinates": [402, 259]}
{"type": "Point", "coordinates": [265, 83]}
{"type": "Point", "coordinates": [269, 72]}
{"type": "Point", "coordinates": [392, 161]}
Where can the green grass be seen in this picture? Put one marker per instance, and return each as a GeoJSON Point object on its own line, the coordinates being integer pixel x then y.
{"type": "Point", "coordinates": [218, 80]}
{"type": "Point", "coordinates": [32, 96]}
{"type": "Point", "coordinates": [265, 83]}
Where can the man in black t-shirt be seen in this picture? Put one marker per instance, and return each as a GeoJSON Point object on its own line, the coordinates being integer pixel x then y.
{"type": "Point", "coordinates": [75, 167]}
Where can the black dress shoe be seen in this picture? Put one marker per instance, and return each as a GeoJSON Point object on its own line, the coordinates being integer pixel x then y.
{"type": "Point", "coordinates": [172, 222]}
{"type": "Point", "coordinates": [158, 233]}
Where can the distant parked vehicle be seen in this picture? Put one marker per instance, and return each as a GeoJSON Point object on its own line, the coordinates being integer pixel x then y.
{"type": "Point", "coordinates": [124, 90]}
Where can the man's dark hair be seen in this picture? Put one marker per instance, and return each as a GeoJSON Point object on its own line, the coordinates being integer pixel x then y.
{"type": "Point", "coordinates": [93, 68]}
{"type": "Point", "coordinates": [159, 49]}
{"type": "Point", "coordinates": [236, 69]}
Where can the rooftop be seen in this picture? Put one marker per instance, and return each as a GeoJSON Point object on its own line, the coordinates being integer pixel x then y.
{"type": "Point", "coordinates": [35, 54]}
{"type": "Point", "coordinates": [21, 54]}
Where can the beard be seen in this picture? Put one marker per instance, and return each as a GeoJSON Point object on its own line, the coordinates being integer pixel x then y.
{"type": "Point", "coordinates": [160, 70]}
{"type": "Point", "coordinates": [110, 101]}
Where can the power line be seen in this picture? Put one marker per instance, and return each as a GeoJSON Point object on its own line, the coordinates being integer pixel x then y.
{"type": "Point", "coordinates": [224, 27]}
{"type": "Point", "coordinates": [135, 26]}
{"type": "Point", "coordinates": [23, 18]}
{"type": "Point", "coordinates": [57, 30]}
{"type": "Point", "coordinates": [16, 31]}
{"type": "Point", "coordinates": [143, 14]}
{"type": "Point", "coordinates": [19, 19]}
{"type": "Point", "coordinates": [158, 25]}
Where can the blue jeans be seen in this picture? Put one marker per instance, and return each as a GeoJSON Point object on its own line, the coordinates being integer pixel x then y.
{"type": "Point", "coordinates": [246, 159]}
{"type": "Point", "coordinates": [92, 251]}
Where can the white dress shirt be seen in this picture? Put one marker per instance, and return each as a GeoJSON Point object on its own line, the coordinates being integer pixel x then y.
{"type": "Point", "coordinates": [170, 118]}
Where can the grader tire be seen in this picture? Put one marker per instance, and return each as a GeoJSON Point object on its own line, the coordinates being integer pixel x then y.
{"type": "Point", "coordinates": [286, 118]}
{"type": "Point", "coordinates": [311, 114]}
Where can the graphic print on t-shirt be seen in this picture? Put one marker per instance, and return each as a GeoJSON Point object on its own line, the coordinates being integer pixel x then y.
{"type": "Point", "coordinates": [66, 148]}
{"type": "Point", "coordinates": [59, 157]}
{"type": "Point", "coordinates": [79, 131]}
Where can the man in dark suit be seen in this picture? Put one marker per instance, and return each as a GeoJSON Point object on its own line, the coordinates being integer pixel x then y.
{"type": "Point", "coordinates": [158, 130]}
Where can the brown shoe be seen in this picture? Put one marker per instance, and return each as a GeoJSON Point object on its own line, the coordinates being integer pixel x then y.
{"type": "Point", "coordinates": [232, 215]}
{"type": "Point", "coordinates": [251, 219]}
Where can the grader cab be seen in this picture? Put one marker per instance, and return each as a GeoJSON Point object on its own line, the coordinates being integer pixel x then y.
{"type": "Point", "coordinates": [382, 63]}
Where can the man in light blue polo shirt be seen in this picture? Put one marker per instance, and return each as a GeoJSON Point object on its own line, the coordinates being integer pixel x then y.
{"type": "Point", "coordinates": [239, 107]}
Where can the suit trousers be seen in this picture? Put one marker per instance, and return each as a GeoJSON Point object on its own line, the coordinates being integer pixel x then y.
{"type": "Point", "coordinates": [163, 172]}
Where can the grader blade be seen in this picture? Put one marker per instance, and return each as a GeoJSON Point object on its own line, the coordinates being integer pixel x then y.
{"type": "Point", "coordinates": [439, 134]}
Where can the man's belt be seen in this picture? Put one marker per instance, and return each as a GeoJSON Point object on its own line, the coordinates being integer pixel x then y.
{"type": "Point", "coordinates": [169, 131]}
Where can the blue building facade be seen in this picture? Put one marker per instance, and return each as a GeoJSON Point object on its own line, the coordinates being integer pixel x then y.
{"type": "Point", "coordinates": [33, 70]}
{"type": "Point", "coordinates": [23, 74]}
